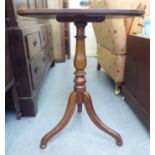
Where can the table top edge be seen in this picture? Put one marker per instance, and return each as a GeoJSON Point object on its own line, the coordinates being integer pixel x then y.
{"type": "Point", "coordinates": [92, 11]}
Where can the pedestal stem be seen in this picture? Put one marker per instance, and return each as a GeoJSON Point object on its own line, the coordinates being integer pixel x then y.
{"type": "Point", "coordinates": [80, 61]}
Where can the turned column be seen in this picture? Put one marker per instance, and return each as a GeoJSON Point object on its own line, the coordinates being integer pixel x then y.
{"type": "Point", "coordinates": [80, 63]}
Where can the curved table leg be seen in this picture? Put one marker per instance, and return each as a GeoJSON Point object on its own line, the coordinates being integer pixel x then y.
{"type": "Point", "coordinates": [67, 116]}
{"type": "Point", "coordinates": [93, 116]}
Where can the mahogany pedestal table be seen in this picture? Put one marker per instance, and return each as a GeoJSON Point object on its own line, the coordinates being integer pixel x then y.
{"type": "Point", "coordinates": [79, 96]}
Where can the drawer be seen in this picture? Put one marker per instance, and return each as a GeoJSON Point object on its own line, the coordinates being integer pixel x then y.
{"type": "Point", "coordinates": [49, 48]}
{"type": "Point", "coordinates": [43, 36]}
{"type": "Point", "coordinates": [37, 69]}
{"type": "Point", "coordinates": [33, 44]}
{"type": "Point", "coordinates": [49, 56]}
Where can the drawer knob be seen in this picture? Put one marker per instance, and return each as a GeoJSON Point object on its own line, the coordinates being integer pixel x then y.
{"type": "Point", "coordinates": [35, 43]}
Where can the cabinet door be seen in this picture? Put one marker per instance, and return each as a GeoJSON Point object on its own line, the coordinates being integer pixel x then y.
{"type": "Point", "coordinates": [136, 87]}
{"type": "Point", "coordinates": [137, 75]}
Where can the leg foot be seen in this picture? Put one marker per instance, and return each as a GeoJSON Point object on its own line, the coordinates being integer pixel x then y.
{"type": "Point", "coordinates": [43, 146]}
{"type": "Point", "coordinates": [98, 66]}
{"type": "Point", "coordinates": [93, 116]}
{"type": "Point", "coordinates": [117, 88]}
{"type": "Point", "coordinates": [52, 64]}
{"type": "Point", "coordinates": [67, 116]}
{"type": "Point", "coordinates": [19, 115]}
{"type": "Point", "coordinates": [117, 91]}
{"type": "Point", "coordinates": [119, 143]}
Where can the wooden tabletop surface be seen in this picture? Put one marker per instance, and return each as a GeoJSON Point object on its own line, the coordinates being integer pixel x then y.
{"type": "Point", "coordinates": [53, 13]}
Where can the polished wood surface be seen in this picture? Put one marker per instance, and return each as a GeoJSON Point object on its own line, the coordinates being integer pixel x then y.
{"type": "Point", "coordinates": [79, 96]}
{"type": "Point", "coordinates": [52, 13]}
{"type": "Point", "coordinates": [136, 87]}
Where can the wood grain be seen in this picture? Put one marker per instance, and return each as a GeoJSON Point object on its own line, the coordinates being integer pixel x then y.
{"type": "Point", "coordinates": [137, 77]}
{"type": "Point", "coordinates": [52, 13]}
{"type": "Point", "coordinates": [80, 95]}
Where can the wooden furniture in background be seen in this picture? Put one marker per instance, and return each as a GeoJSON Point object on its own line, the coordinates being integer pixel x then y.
{"type": "Point", "coordinates": [10, 85]}
{"type": "Point", "coordinates": [66, 32]}
{"type": "Point", "coordinates": [79, 94]}
{"type": "Point", "coordinates": [31, 50]}
{"type": "Point", "coordinates": [136, 87]}
{"type": "Point", "coordinates": [61, 33]}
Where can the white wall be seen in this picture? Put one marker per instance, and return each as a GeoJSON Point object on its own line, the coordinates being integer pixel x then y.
{"type": "Point", "coordinates": [90, 43]}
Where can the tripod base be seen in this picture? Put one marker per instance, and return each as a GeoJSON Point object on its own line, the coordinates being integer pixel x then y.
{"type": "Point", "coordinates": [73, 100]}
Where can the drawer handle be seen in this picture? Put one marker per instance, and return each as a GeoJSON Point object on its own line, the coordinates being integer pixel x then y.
{"type": "Point", "coordinates": [35, 43]}
{"type": "Point", "coordinates": [36, 70]}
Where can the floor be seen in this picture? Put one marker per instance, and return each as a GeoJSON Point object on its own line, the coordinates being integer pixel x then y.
{"type": "Point", "coordinates": [81, 136]}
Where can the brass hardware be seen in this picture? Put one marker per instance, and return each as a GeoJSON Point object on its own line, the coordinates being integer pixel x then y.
{"type": "Point", "coordinates": [35, 43]}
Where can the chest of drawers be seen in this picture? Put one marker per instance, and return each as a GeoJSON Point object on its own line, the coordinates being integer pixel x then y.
{"type": "Point", "coordinates": [31, 50]}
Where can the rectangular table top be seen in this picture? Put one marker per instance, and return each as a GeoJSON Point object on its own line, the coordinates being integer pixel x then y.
{"type": "Point", "coordinates": [53, 13]}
